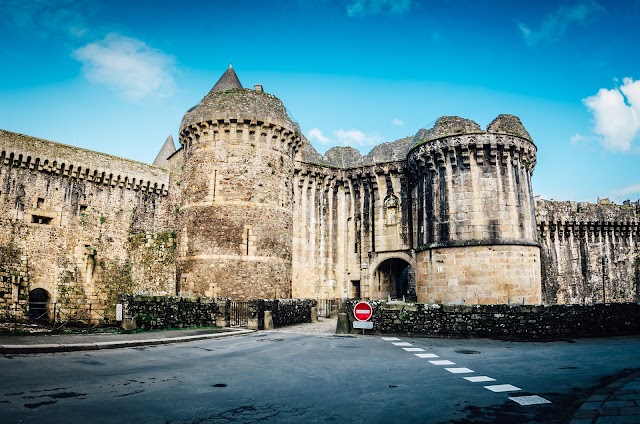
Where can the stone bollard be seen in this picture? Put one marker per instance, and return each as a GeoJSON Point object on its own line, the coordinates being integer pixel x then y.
{"type": "Point", "coordinates": [253, 324]}
{"type": "Point", "coordinates": [343, 326]}
{"type": "Point", "coordinates": [314, 314]}
{"type": "Point", "coordinates": [268, 320]}
{"type": "Point", "coordinates": [128, 324]}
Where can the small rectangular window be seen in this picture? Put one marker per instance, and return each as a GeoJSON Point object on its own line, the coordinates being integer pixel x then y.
{"type": "Point", "coordinates": [44, 220]}
{"type": "Point", "coordinates": [83, 209]}
{"type": "Point", "coordinates": [40, 203]}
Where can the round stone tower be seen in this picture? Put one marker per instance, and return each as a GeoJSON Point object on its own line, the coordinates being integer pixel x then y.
{"type": "Point", "coordinates": [235, 214]}
{"type": "Point", "coordinates": [475, 227]}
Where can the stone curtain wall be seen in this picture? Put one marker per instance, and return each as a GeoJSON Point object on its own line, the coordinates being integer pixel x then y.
{"type": "Point", "coordinates": [589, 252]}
{"type": "Point", "coordinates": [504, 321]}
{"type": "Point", "coordinates": [74, 215]}
{"type": "Point", "coordinates": [155, 312]}
{"type": "Point", "coordinates": [284, 312]}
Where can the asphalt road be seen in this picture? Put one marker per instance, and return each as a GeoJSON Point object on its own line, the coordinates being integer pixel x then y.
{"type": "Point", "coordinates": [283, 377]}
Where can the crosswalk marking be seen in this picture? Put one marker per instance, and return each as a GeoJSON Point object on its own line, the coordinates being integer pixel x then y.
{"type": "Point", "coordinates": [402, 344]}
{"type": "Point", "coordinates": [413, 349]}
{"type": "Point", "coordinates": [529, 400]}
{"type": "Point", "coordinates": [426, 355]}
{"type": "Point", "coordinates": [459, 370]}
{"type": "Point", "coordinates": [479, 379]}
{"type": "Point", "coordinates": [442, 362]}
{"type": "Point", "coordinates": [497, 388]}
{"type": "Point", "coordinates": [389, 339]}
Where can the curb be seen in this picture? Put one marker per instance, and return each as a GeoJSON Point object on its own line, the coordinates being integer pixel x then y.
{"type": "Point", "coordinates": [75, 347]}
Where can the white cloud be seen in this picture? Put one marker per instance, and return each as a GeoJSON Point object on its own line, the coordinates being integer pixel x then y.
{"type": "Point", "coordinates": [555, 24]}
{"type": "Point", "coordinates": [316, 135]}
{"type": "Point", "coordinates": [633, 190]}
{"type": "Point", "coordinates": [396, 122]}
{"type": "Point", "coordinates": [353, 138]}
{"type": "Point", "coordinates": [616, 113]}
{"type": "Point", "coordinates": [375, 7]}
{"type": "Point", "coordinates": [128, 66]}
{"type": "Point", "coordinates": [43, 18]}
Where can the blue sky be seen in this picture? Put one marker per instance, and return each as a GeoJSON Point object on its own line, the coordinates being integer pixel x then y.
{"type": "Point", "coordinates": [116, 76]}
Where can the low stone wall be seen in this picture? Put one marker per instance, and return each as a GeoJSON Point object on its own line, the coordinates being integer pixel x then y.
{"type": "Point", "coordinates": [154, 312]}
{"type": "Point", "coordinates": [284, 312]}
{"type": "Point", "coordinates": [504, 321]}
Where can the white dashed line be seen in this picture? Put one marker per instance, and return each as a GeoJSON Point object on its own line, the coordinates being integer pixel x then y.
{"type": "Point", "coordinates": [496, 388]}
{"type": "Point", "coordinates": [479, 379]}
{"type": "Point", "coordinates": [502, 388]}
{"type": "Point", "coordinates": [426, 355]}
{"type": "Point", "coordinates": [459, 370]}
{"type": "Point", "coordinates": [442, 362]}
{"type": "Point", "coordinates": [529, 400]}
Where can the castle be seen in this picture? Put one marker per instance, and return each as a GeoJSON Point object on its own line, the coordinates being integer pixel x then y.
{"type": "Point", "coordinates": [246, 208]}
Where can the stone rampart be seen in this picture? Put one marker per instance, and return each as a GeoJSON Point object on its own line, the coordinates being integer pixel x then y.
{"type": "Point", "coordinates": [589, 253]}
{"type": "Point", "coordinates": [18, 150]}
{"type": "Point", "coordinates": [504, 321]}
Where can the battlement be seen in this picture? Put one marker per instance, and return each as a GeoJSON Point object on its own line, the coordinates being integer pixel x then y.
{"type": "Point", "coordinates": [557, 218]}
{"type": "Point", "coordinates": [456, 141]}
{"type": "Point", "coordinates": [21, 151]}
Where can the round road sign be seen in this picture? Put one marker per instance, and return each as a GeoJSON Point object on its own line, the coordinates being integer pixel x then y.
{"type": "Point", "coordinates": [362, 311]}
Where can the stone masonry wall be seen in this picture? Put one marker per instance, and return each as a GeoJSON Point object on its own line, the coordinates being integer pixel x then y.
{"type": "Point", "coordinates": [284, 312]}
{"type": "Point", "coordinates": [71, 214]}
{"type": "Point", "coordinates": [155, 312]}
{"type": "Point", "coordinates": [590, 252]}
{"type": "Point", "coordinates": [504, 321]}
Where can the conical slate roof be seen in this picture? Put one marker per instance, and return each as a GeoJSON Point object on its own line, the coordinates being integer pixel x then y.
{"type": "Point", "coordinates": [227, 81]}
{"type": "Point", "coordinates": [168, 148]}
{"type": "Point", "coordinates": [228, 100]}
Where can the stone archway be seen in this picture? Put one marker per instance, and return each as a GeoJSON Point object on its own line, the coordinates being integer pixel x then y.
{"type": "Point", "coordinates": [393, 277]}
{"type": "Point", "coordinates": [39, 302]}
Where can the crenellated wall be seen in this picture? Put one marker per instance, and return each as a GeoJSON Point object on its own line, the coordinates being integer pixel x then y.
{"type": "Point", "coordinates": [589, 252]}
{"type": "Point", "coordinates": [70, 214]}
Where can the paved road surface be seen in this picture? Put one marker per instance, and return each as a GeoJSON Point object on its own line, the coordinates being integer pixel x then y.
{"type": "Point", "coordinates": [288, 377]}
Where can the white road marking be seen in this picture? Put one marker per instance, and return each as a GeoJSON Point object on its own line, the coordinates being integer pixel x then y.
{"type": "Point", "coordinates": [426, 355]}
{"type": "Point", "coordinates": [402, 344]}
{"type": "Point", "coordinates": [413, 349]}
{"type": "Point", "coordinates": [459, 370]}
{"type": "Point", "coordinates": [479, 379]}
{"type": "Point", "coordinates": [388, 339]}
{"type": "Point", "coordinates": [442, 362]}
{"type": "Point", "coordinates": [529, 400]}
{"type": "Point", "coordinates": [497, 388]}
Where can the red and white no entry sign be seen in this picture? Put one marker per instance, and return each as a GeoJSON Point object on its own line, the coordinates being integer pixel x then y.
{"type": "Point", "coordinates": [362, 311]}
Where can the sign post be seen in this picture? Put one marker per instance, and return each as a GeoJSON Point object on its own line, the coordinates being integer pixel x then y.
{"type": "Point", "coordinates": [362, 313]}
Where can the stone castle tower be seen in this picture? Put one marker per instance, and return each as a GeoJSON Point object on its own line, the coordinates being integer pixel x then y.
{"type": "Point", "coordinates": [235, 213]}
{"type": "Point", "coordinates": [475, 214]}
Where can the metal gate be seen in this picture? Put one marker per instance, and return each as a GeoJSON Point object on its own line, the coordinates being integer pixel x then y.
{"type": "Point", "coordinates": [239, 314]}
{"type": "Point", "coordinates": [325, 306]}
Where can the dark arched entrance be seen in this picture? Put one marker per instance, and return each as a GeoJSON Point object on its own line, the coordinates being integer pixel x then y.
{"type": "Point", "coordinates": [39, 305]}
{"type": "Point", "coordinates": [394, 278]}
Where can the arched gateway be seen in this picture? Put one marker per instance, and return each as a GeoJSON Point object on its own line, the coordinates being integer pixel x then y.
{"type": "Point", "coordinates": [394, 277]}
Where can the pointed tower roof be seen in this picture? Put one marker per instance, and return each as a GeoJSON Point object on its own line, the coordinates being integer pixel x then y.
{"type": "Point", "coordinates": [168, 148]}
{"type": "Point", "coordinates": [227, 81]}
